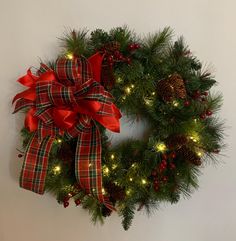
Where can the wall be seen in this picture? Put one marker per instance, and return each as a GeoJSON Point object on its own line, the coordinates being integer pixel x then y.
{"type": "Point", "coordinates": [29, 31]}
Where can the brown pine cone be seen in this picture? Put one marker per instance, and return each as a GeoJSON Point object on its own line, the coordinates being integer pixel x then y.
{"type": "Point", "coordinates": [165, 90]}
{"type": "Point", "coordinates": [176, 141]}
{"type": "Point", "coordinates": [188, 155]}
{"type": "Point", "coordinates": [112, 46]}
{"type": "Point", "coordinates": [177, 82]}
{"type": "Point", "coordinates": [171, 88]}
{"type": "Point", "coordinates": [116, 193]}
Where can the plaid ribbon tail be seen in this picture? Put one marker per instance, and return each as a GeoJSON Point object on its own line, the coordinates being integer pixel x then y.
{"type": "Point", "coordinates": [35, 164]}
{"type": "Point", "coordinates": [88, 169]}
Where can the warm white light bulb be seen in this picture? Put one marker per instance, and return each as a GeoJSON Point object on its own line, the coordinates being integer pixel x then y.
{"type": "Point", "coordinates": [57, 170]}
{"type": "Point", "coordinates": [144, 181]}
{"type": "Point", "coordinates": [160, 147]}
{"type": "Point", "coordinates": [69, 56]}
{"type": "Point", "coordinates": [128, 90]}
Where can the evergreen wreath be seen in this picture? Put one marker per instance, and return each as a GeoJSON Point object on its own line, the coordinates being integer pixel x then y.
{"type": "Point", "coordinates": [153, 79]}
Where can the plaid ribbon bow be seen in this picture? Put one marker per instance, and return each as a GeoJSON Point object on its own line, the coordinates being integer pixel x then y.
{"type": "Point", "coordinates": [67, 101]}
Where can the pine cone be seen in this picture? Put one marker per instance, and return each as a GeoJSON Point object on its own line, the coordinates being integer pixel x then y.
{"type": "Point", "coordinates": [116, 193]}
{"type": "Point", "coordinates": [177, 82]}
{"type": "Point", "coordinates": [112, 46]}
{"type": "Point", "coordinates": [172, 87]}
{"type": "Point", "coordinates": [176, 141]}
{"type": "Point", "coordinates": [188, 155]}
{"type": "Point", "coordinates": [165, 90]}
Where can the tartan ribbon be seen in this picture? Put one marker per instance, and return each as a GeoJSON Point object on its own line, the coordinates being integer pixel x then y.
{"type": "Point", "coordinates": [66, 101]}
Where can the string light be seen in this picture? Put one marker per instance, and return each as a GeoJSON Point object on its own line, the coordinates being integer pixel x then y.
{"type": "Point", "coordinates": [144, 181]}
{"type": "Point", "coordinates": [114, 166]}
{"type": "Point", "coordinates": [59, 140]}
{"type": "Point", "coordinates": [103, 191]}
{"type": "Point", "coordinates": [131, 179]}
{"type": "Point", "coordinates": [153, 93]}
{"type": "Point", "coordinates": [106, 170]}
{"type": "Point", "coordinates": [161, 147]}
{"type": "Point", "coordinates": [56, 170]}
{"type": "Point", "coordinates": [194, 137]}
{"type": "Point", "coordinates": [133, 165]}
{"type": "Point", "coordinates": [199, 154]}
{"type": "Point", "coordinates": [132, 86]}
{"type": "Point", "coordinates": [69, 56]}
{"type": "Point", "coordinates": [148, 101]}
{"type": "Point", "coordinates": [128, 192]}
{"type": "Point", "coordinates": [112, 156]}
{"type": "Point", "coordinates": [175, 103]}
{"type": "Point", "coordinates": [128, 90]}
{"type": "Point", "coordinates": [119, 80]}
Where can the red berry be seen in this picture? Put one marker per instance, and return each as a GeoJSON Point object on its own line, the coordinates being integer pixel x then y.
{"type": "Point", "coordinates": [20, 155]}
{"type": "Point", "coordinates": [205, 93]}
{"type": "Point", "coordinates": [131, 47]}
{"type": "Point", "coordinates": [154, 173]}
{"type": "Point", "coordinates": [117, 53]}
{"type": "Point", "coordinates": [164, 162]}
{"type": "Point", "coordinates": [164, 156]}
{"type": "Point", "coordinates": [128, 60]}
{"type": "Point", "coordinates": [203, 116]}
{"type": "Point", "coordinates": [187, 103]}
{"type": "Point", "coordinates": [208, 113]}
{"type": "Point", "coordinates": [216, 151]}
{"type": "Point", "coordinates": [136, 46]}
{"type": "Point", "coordinates": [120, 57]}
{"type": "Point", "coordinates": [77, 202]}
{"type": "Point", "coordinates": [165, 179]}
{"type": "Point", "coordinates": [110, 59]}
{"type": "Point", "coordinates": [172, 166]}
{"type": "Point", "coordinates": [156, 187]}
{"type": "Point", "coordinates": [196, 94]}
{"type": "Point", "coordinates": [66, 204]}
{"type": "Point", "coordinates": [156, 182]}
{"type": "Point", "coordinates": [172, 155]}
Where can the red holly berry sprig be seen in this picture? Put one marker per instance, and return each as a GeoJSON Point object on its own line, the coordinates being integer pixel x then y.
{"type": "Point", "coordinates": [159, 172]}
{"type": "Point", "coordinates": [133, 46]}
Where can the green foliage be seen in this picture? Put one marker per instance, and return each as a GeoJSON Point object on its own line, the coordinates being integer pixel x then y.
{"type": "Point", "coordinates": [130, 167]}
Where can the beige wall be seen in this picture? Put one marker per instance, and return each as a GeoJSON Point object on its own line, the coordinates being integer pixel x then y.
{"type": "Point", "coordinates": [28, 30]}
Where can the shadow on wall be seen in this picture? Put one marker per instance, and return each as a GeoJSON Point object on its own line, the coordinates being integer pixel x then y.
{"type": "Point", "coordinates": [15, 162]}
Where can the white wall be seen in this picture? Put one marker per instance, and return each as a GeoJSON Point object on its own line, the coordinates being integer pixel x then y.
{"type": "Point", "coordinates": [29, 30]}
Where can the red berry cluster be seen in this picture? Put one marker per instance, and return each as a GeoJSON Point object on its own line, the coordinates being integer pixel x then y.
{"type": "Point", "coordinates": [198, 95]}
{"type": "Point", "coordinates": [117, 56]}
{"type": "Point", "coordinates": [205, 114]}
{"type": "Point", "coordinates": [133, 46]}
{"type": "Point", "coordinates": [159, 172]}
{"type": "Point", "coordinates": [71, 195]}
{"type": "Point", "coordinates": [201, 96]}
{"type": "Point", "coordinates": [67, 199]}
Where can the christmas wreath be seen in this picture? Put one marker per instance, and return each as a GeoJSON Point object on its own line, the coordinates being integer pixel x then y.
{"type": "Point", "coordinates": [72, 101]}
